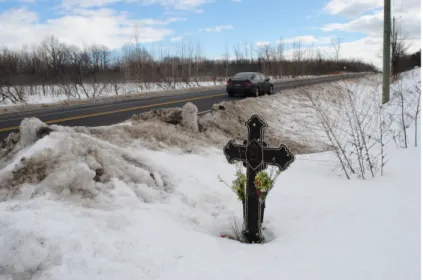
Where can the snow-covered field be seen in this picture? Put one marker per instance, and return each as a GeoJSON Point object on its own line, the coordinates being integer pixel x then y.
{"type": "Point", "coordinates": [85, 203]}
{"type": "Point", "coordinates": [51, 94]}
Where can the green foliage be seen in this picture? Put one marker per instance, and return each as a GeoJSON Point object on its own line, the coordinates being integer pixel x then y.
{"type": "Point", "coordinates": [264, 182]}
{"type": "Point", "coordinates": [239, 183]}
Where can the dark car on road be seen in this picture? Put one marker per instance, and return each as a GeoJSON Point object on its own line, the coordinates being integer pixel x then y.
{"type": "Point", "coordinates": [249, 84]}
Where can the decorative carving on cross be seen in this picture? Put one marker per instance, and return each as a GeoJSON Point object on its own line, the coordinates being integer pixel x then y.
{"type": "Point", "coordinates": [256, 155]}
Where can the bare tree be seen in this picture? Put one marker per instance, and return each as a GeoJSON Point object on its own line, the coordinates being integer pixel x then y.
{"type": "Point", "coordinates": [336, 45]}
{"type": "Point", "coordinates": [238, 52]}
{"type": "Point", "coordinates": [226, 61]}
{"type": "Point", "coordinates": [197, 62]}
{"type": "Point", "coordinates": [399, 47]}
{"type": "Point", "coordinates": [251, 52]}
{"type": "Point", "coordinates": [297, 57]}
{"type": "Point", "coordinates": [281, 57]}
{"type": "Point", "coordinates": [246, 46]}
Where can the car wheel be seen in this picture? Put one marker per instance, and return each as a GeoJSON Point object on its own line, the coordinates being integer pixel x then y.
{"type": "Point", "coordinates": [271, 90]}
{"type": "Point", "coordinates": [257, 92]}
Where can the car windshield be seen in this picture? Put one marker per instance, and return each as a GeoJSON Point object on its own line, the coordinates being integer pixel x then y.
{"type": "Point", "coordinates": [243, 75]}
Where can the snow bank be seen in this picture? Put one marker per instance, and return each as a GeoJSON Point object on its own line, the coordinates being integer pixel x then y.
{"type": "Point", "coordinates": [182, 128]}
{"type": "Point", "coordinates": [166, 128]}
{"type": "Point", "coordinates": [92, 167]}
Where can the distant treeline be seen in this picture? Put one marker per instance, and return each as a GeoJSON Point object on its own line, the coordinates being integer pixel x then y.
{"type": "Point", "coordinates": [405, 62]}
{"type": "Point", "coordinates": [401, 58]}
{"type": "Point", "coordinates": [54, 62]}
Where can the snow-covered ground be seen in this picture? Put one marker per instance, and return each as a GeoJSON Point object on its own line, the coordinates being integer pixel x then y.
{"type": "Point", "coordinates": [50, 94]}
{"type": "Point", "coordinates": [80, 203]}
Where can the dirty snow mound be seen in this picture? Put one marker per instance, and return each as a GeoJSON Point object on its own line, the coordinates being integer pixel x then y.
{"type": "Point", "coordinates": [93, 168]}
{"type": "Point", "coordinates": [79, 176]}
{"type": "Point", "coordinates": [171, 115]}
{"type": "Point", "coordinates": [29, 131]}
{"type": "Point", "coordinates": [183, 128]}
{"type": "Point", "coordinates": [289, 114]}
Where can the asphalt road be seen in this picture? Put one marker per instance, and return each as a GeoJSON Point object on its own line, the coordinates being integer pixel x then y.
{"type": "Point", "coordinates": [118, 111]}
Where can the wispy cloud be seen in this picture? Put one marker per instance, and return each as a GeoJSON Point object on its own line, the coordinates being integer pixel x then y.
{"type": "Point", "coordinates": [193, 5]}
{"type": "Point", "coordinates": [262, 44]}
{"type": "Point", "coordinates": [103, 26]}
{"type": "Point", "coordinates": [20, 1]}
{"type": "Point", "coordinates": [216, 28]}
{"type": "Point", "coordinates": [176, 39]}
{"type": "Point", "coordinates": [149, 21]}
{"type": "Point", "coordinates": [306, 39]}
{"type": "Point", "coordinates": [352, 8]}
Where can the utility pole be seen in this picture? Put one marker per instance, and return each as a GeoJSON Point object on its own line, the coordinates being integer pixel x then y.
{"type": "Point", "coordinates": [386, 51]}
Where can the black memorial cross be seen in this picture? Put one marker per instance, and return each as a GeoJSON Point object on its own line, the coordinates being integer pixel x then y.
{"type": "Point", "coordinates": [255, 155]}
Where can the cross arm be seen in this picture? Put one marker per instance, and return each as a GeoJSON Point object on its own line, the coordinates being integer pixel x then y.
{"type": "Point", "coordinates": [280, 157]}
{"type": "Point", "coordinates": [234, 152]}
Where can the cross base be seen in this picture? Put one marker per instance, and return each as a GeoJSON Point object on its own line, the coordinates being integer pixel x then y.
{"type": "Point", "coordinates": [253, 238]}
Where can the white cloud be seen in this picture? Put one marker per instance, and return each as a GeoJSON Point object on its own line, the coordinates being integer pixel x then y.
{"type": "Point", "coordinates": [352, 8]}
{"type": "Point", "coordinates": [369, 24]}
{"type": "Point", "coordinates": [81, 26]}
{"type": "Point", "coordinates": [236, 1]}
{"type": "Point", "coordinates": [20, 1]}
{"type": "Point", "coordinates": [176, 4]}
{"type": "Point", "coordinates": [407, 16]}
{"type": "Point", "coordinates": [369, 48]}
{"type": "Point", "coordinates": [306, 39]}
{"type": "Point", "coordinates": [217, 28]}
{"type": "Point", "coordinates": [149, 21]}
{"type": "Point", "coordinates": [176, 39]}
{"type": "Point", "coordinates": [262, 44]}
{"type": "Point", "coordinates": [168, 4]}
{"type": "Point", "coordinates": [69, 4]}
{"type": "Point", "coordinates": [21, 15]}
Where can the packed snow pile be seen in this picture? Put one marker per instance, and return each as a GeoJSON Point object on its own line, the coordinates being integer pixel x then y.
{"type": "Point", "coordinates": [127, 201]}
{"type": "Point", "coordinates": [182, 128]}
{"type": "Point", "coordinates": [63, 163]}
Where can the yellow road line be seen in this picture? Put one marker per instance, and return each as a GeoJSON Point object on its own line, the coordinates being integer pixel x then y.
{"type": "Point", "coordinates": [117, 111]}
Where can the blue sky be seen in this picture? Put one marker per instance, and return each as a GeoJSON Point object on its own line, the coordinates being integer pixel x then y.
{"type": "Point", "coordinates": [211, 23]}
